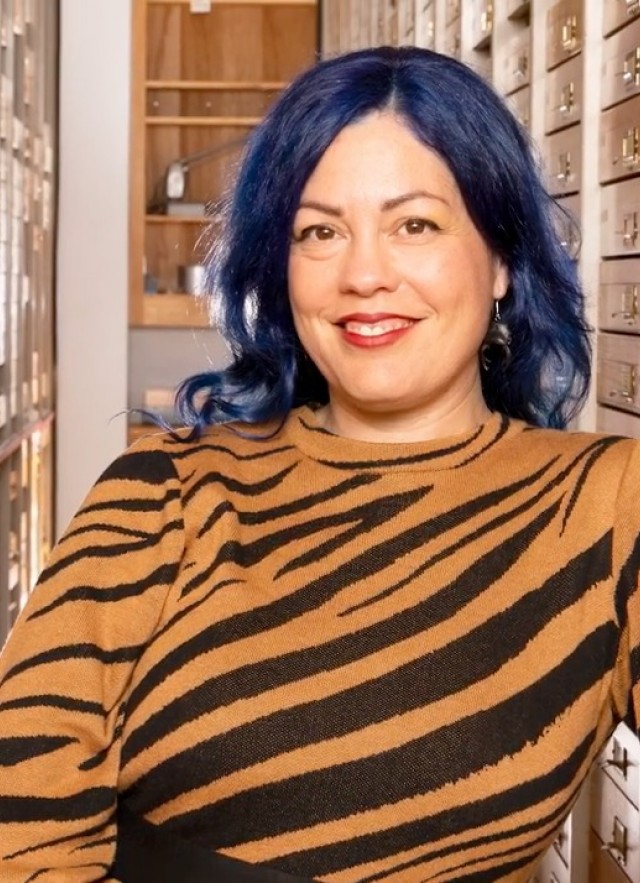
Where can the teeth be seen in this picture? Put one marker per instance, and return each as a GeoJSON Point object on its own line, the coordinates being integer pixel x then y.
{"type": "Point", "coordinates": [375, 329]}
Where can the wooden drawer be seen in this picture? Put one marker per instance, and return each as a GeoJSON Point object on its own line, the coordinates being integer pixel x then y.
{"type": "Point", "coordinates": [620, 140]}
{"type": "Point", "coordinates": [620, 760]}
{"type": "Point", "coordinates": [620, 218]}
{"type": "Point", "coordinates": [617, 423]}
{"type": "Point", "coordinates": [517, 61]}
{"type": "Point", "coordinates": [616, 823]}
{"type": "Point", "coordinates": [621, 65]}
{"type": "Point", "coordinates": [619, 296]}
{"type": "Point", "coordinates": [563, 160]}
{"type": "Point", "coordinates": [617, 13]}
{"type": "Point", "coordinates": [564, 31]}
{"type": "Point", "coordinates": [520, 104]}
{"type": "Point", "coordinates": [618, 373]}
{"type": "Point", "coordinates": [563, 98]}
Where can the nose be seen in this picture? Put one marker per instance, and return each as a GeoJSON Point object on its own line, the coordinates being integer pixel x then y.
{"type": "Point", "coordinates": [367, 267]}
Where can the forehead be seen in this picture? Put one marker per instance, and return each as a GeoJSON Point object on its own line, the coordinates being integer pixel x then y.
{"type": "Point", "coordinates": [380, 150]}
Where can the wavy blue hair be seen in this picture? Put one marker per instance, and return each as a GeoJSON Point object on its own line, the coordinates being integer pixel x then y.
{"type": "Point", "coordinates": [454, 111]}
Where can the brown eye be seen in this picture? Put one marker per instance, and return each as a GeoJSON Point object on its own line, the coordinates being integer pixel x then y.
{"type": "Point", "coordinates": [321, 233]}
{"type": "Point", "coordinates": [416, 226]}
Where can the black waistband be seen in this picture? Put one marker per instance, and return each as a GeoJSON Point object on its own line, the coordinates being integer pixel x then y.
{"type": "Point", "coordinates": [146, 854]}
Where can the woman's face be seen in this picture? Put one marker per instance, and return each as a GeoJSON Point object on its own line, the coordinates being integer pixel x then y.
{"type": "Point", "coordinates": [391, 285]}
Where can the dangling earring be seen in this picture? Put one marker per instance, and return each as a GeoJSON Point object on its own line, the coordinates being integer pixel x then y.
{"type": "Point", "coordinates": [497, 339]}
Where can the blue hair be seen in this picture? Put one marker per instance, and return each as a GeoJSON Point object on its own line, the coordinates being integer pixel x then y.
{"type": "Point", "coordinates": [454, 111]}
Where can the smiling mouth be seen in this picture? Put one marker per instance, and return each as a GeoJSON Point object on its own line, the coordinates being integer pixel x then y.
{"type": "Point", "coordinates": [376, 328]}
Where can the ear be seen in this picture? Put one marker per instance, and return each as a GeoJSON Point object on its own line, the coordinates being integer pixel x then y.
{"type": "Point", "coordinates": [501, 280]}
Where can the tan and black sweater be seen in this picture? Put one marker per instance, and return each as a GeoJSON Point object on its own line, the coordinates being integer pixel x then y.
{"type": "Point", "coordinates": [347, 661]}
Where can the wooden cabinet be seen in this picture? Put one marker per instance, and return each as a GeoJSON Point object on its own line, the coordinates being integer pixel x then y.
{"type": "Point", "coordinates": [28, 58]}
{"type": "Point", "coordinates": [204, 74]}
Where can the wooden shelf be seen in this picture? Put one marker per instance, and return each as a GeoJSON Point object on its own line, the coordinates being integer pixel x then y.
{"type": "Point", "coordinates": [202, 121]}
{"type": "Point", "coordinates": [237, 2]}
{"type": "Point", "coordinates": [173, 310]}
{"type": "Point", "coordinates": [216, 85]}
{"type": "Point", "coordinates": [180, 219]}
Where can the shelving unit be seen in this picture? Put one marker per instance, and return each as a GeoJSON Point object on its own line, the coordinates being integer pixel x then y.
{"type": "Point", "coordinates": [570, 69]}
{"type": "Point", "coordinates": [28, 62]}
{"type": "Point", "coordinates": [201, 81]}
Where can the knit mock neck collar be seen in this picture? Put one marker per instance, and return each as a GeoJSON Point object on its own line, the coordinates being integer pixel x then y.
{"type": "Point", "coordinates": [307, 435]}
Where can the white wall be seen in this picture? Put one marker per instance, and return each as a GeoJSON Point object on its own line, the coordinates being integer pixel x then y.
{"type": "Point", "coordinates": [92, 244]}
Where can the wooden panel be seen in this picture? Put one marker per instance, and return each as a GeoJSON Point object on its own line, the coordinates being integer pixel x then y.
{"type": "Point", "coordinates": [563, 95]}
{"type": "Point", "coordinates": [620, 218]}
{"type": "Point", "coordinates": [619, 296]}
{"type": "Point", "coordinates": [621, 65]}
{"type": "Point", "coordinates": [617, 13]}
{"type": "Point", "coordinates": [564, 31]}
{"type": "Point", "coordinates": [620, 140]}
{"type": "Point", "coordinates": [563, 160]}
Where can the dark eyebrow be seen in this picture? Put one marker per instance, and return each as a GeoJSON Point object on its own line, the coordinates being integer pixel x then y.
{"type": "Point", "coordinates": [387, 205]}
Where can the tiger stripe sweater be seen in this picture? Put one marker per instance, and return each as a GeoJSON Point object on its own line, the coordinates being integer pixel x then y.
{"type": "Point", "coordinates": [343, 660]}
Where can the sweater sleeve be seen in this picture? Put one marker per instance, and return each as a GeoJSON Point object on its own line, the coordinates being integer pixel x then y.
{"type": "Point", "coordinates": [66, 667]}
{"type": "Point", "coordinates": [626, 563]}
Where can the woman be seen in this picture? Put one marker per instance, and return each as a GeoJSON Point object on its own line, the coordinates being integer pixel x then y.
{"type": "Point", "coordinates": [380, 626]}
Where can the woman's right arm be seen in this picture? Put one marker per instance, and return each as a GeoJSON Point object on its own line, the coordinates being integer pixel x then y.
{"type": "Point", "coordinates": [65, 671]}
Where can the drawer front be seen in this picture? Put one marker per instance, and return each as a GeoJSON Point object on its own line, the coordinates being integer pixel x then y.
{"type": "Point", "coordinates": [618, 372]}
{"type": "Point", "coordinates": [618, 13]}
{"type": "Point", "coordinates": [621, 65]}
{"type": "Point", "coordinates": [564, 31]}
{"type": "Point", "coordinates": [620, 140]}
{"type": "Point", "coordinates": [617, 423]}
{"type": "Point", "coordinates": [617, 824]}
{"type": "Point", "coordinates": [520, 104]}
{"type": "Point", "coordinates": [517, 71]}
{"type": "Point", "coordinates": [620, 218]}
{"type": "Point", "coordinates": [619, 296]}
{"type": "Point", "coordinates": [620, 760]}
{"type": "Point", "coordinates": [563, 160]}
{"type": "Point", "coordinates": [563, 98]}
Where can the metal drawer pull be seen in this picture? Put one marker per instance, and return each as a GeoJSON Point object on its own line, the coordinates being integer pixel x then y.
{"type": "Point", "coordinates": [569, 33]}
{"type": "Point", "coordinates": [631, 147]}
{"type": "Point", "coordinates": [629, 230]}
{"type": "Point", "coordinates": [619, 758]}
{"type": "Point", "coordinates": [629, 312]}
{"type": "Point", "coordinates": [522, 66]}
{"type": "Point", "coordinates": [618, 846]}
{"type": "Point", "coordinates": [564, 167]}
{"type": "Point", "coordinates": [631, 68]}
{"type": "Point", "coordinates": [567, 95]}
{"type": "Point", "coordinates": [627, 389]}
{"type": "Point", "coordinates": [486, 19]}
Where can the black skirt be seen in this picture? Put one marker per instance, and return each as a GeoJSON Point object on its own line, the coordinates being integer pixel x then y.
{"type": "Point", "coordinates": [146, 854]}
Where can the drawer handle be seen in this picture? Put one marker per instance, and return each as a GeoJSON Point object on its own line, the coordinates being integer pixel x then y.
{"type": "Point", "coordinates": [486, 19]}
{"type": "Point", "coordinates": [567, 99]}
{"type": "Point", "coordinates": [627, 390]}
{"type": "Point", "coordinates": [522, 66]}
{"type": "Point", "coordinates": [619, 758]}
{"type": "Point", "coordinates": [629, 230]}
{"type": "Point", "coordinates": [633, 7]}
{"type": "Point", "coordinates": [629, 313]}
{"type": "Point", "coordinates": [618, 846]}
{"type": "Point", "coordinates": [564, 167]}
{"type": "Point", "coordinates": [568, 33]}
{"type": "Point", "coordinates": [630, 154]}
{"type": "Point", "coordinates": [631, 68]}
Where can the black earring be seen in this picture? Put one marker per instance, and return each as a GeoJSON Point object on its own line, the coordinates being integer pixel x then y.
{"type": "Point", "coordinates": [497, 341]}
